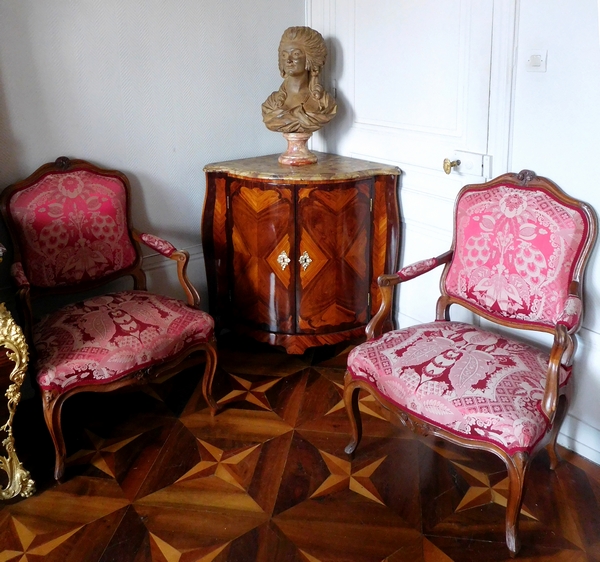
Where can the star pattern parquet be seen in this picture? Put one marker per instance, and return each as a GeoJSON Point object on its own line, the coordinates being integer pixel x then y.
{"type": "Point", "coordinates": [152, 476]}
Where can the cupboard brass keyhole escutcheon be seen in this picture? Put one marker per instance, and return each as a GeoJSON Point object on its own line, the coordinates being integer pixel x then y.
{"type": "Point", "coordinates": [449, 164]}
{"type": "Point", "coordinates": [283, 260]}
{"type": "Point", "coordinates": [305, 260]}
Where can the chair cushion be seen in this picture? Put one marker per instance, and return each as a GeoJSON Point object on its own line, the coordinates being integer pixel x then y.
{"type": "Point", "coordinates": [471, 382]}
{"type": "Point", "coordinates": [72, 228]}
{"type": "Point", "coordinates": [102, 339]}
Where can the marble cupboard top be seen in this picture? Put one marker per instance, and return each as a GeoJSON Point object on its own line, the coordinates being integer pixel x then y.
{"type": "Point", "coordinates": [328, 167]}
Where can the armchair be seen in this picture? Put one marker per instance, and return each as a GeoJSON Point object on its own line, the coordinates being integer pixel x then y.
{"type": "Point", "coordinates": [517, 260]}
{"type": "Point", "coordinates": [70, 227]}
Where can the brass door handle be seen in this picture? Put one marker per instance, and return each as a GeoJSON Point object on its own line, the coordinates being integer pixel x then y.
{"type": "Point", "coordinates": [448, 164]}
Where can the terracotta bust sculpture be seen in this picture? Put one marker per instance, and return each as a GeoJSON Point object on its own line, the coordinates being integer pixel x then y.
{"type": "Point", "coordinates": [301, 105]}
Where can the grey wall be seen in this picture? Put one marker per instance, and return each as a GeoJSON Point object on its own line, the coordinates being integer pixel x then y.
{"type": "Point", "coordinates": [155, 88]}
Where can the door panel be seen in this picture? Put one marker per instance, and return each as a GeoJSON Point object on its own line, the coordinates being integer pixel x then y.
{"type": "Point", "coordinates": [412, 78]}
{"type": "Point", "coordinates": [334, 229]}
{"type": "Point", "coordinates": [403, 31]}
{"type": "Point", "coordinates": [262, 219]}
{"type": "Point", "coordinates": [413, 87]}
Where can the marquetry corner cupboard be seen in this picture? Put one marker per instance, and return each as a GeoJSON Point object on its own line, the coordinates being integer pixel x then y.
{"type": "Point", "coordinates": [293, 252]}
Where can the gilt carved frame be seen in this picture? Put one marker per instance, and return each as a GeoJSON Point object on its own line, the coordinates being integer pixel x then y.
{"type": "Point", "coordinates": [13, 340]}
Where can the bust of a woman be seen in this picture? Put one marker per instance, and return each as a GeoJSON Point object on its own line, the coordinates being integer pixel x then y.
{"type": "Point", "coordinates": [301, 105]}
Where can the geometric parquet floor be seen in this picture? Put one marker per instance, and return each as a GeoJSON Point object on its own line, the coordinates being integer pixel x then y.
{"type": "Point", "coordinates": [152, 477]}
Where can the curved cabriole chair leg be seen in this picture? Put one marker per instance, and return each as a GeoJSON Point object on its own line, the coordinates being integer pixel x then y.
{"type": "Point", "coordinates": [209, 375]}
{"type": "Point", "coordinates": [351, 393]}
{"type": "Point", "coordinates": [52, 414]}
{"type": "Point", "coordinates": [558, 419]}
{"type": "Point", "coordinates": [517, 467]}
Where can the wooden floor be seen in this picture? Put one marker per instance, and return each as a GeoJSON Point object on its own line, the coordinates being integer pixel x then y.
{"type": "Point", "coordinates": [151, 476]}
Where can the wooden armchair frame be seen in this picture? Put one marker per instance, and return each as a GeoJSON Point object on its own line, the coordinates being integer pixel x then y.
{"type": "Point", "coordinates": [555, 397]}
{"type": "Point", "coordinates": [28, 294]}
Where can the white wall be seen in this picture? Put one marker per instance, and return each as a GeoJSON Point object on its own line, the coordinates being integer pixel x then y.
{"type": "Point", "coordinates": [155, 88]}
{"type": "Point", "coordinates": [556, 133]}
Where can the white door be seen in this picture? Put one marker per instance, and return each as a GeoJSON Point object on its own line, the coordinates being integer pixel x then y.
{"type": "Point", "coordinates": [412, 80]}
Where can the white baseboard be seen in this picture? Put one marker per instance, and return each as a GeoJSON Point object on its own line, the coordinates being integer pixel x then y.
{"type": "Point", "coordinates": [580, 437]}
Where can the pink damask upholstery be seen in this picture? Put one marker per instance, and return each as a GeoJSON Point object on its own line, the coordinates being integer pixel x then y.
{"type": "Point", "coordinates": [418, 268]}
{"type": "Point", "coordinates": [519, 249]}
{"type": "Point", "coordinates": [571, 315]}
{"type": "Point", "coordinates": [71, 235]}
{"type": "Point", "coordinates": [73, 228]}
{"type": "Point", "coordinates": [474, 383]}
{"type": "Point", "coordinates": [159, 245]}
{"type": "Point", "coordinates": [107, 337]}
{"type": "Point", "coordinates": [514, 252]}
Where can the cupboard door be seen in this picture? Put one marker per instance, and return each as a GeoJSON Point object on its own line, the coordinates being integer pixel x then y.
{"type": "Point", "coordinates": [262, 235]}
{"type": "Point", "coordinates": [334, 233]}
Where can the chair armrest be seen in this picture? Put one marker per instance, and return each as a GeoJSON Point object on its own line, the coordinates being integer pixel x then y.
{"type": "Point", "coordinates": [182, 257]}
{"type": "Point", "coordinates": [561, 353]}
{"type": "Point", "coordinates": [163, 247]}
{"type": "Point", "coordinates": [23, 297]}
{"type": "Point", "coordinates": [18, 274]}
{"type": "Point", "coordinates": [386, 285]}
{"type": "Point", "coordinates": [413, 270]}
{"type": "Point", "coordinates": [563, 349]}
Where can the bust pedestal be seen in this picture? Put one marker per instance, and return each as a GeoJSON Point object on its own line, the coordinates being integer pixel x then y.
{"type": "Point", "coordinates": [297, 153]}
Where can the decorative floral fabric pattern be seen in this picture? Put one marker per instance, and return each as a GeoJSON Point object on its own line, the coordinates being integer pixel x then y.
{"type": "Point", "coordinates": [107, 337]}
{"type": "Point", "coordinates": [417, 268]}
{"type": "Point", "coordinates": [571, 315]}
{"type": "Point", "coordinates": [73, 227]}
{"type": "Point", "coordinates": [471, 382]}
{"type": "Point", "coordinates": [514, 252]}
{"type": "Point", "coordinates": [158, 244]}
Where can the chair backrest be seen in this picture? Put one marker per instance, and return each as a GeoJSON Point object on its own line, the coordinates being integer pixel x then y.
{"type": "Point", "coordinates": [519, 245]}
{"type": "Point", "coordinates": [69, 223]}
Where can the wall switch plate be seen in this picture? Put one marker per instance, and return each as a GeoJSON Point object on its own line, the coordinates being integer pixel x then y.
{"type": "Point", "coordinates": [536, 61]}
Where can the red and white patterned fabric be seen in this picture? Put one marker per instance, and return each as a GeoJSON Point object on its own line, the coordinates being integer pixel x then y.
{"type": "Point", "coordinates": [472, 382]}
{"type": "Point", "coordinates": [418, 268]}
{"type": "Point", "coordinates": [571, 315]}
{"type": "Point", "coordinates": [73, 227]}
{"type": "Point", "coordinates": [514, 252]}
{"type": "Point", "coordinates": [107, 337]}
{"type": "Point", "coordinates": [158, 244]}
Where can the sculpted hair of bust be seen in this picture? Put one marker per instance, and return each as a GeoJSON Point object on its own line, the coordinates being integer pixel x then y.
{"type": "Point", "coordinates": [301, 105]}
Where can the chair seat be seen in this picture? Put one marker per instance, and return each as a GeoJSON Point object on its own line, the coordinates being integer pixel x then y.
{"type": "Point", "coordinates": [471, 382]}
{"type": "Point", "coordinates": [105, 338]}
